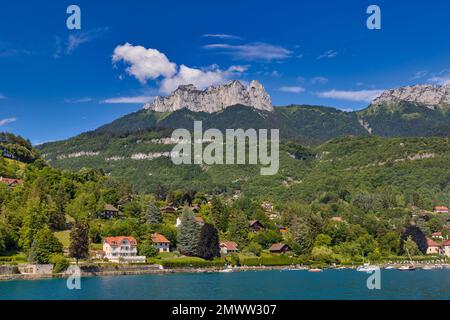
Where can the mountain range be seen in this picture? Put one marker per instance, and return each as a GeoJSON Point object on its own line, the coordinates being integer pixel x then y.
{"type": "Point", "coordinates": [120, 148]}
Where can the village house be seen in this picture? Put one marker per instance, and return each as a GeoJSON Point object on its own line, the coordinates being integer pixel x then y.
{"type": "Point", "coordinates": [440, 209]}
{"type": "Point", "coordinates": [266, 205]}
{"type": "Point", "coordinates": [11, 182]}
{"type": "Point", "coordinates": [255, 225]}
{"type": "Point", "coordinates": [337, 219]}
{"type": "Point", "coordinates": [282, 229]}
{"type": "Point", "coordinates": [41, 269]}
{"type": "Point", "coordinates": [228, 247]}
{"type": "Point", "coordinates": [279, 248]}
{"type": "Point", "coordinates": [109, 212]}
{"type": "Point", "coordinates": [168, 209]}
{"type": "Point", "coordinates": [437, 235]}
{"type": "Point", "coordinates": [433, 247]}
{"type": "Point", "coordinates": [121, 249]}
{"type": "Point", "coordinates": [161, 243]}
{"type": "Point", "coordinates": [199, 221]}
{"type": "Point", "coordinates": [446, 248]}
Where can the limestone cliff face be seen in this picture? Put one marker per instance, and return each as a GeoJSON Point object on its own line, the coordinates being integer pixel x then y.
{"type": "Point", "coordinates": [213, 99]}
{"type": "Point", "coordinates": [428, 95]}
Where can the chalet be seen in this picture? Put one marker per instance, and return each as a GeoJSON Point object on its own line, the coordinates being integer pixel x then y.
{"type": "Point", "coordinates": [121, 249]}
{"type": "Point", "coordinates": [228, 247]}
{"type": "Point", "coordinates": [255, 225]}
{"type": "Point", "coordinates": [446, 248]}
{"type": "Point", "coordinates": [440, 209]}
{"type": "Point", "coordinates": [109, 211]}
{"type": "Point", "coordinates": [433, 247]}
{"type": "Point", "coordinates": [168, 209]}
{"type": "Point", "coordinates": [279, 248]}
{"type": "Point", "coordinates": [161, 243]}
{"type": "Point", "coordinates": [11, 182]}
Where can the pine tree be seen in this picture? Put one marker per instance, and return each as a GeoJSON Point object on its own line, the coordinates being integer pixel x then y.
{"type": "Point", "coordinates": [219, 214]}
{"type": "Point", "coordinates": [153, 215]}
{"type": "Point", "coordinates": [187, 233]}
{"type": "Point", "coordinates": [44, 245]}
{"type": "Point", "coordinates": [79, 241]}
{"type": "Point", "coordinates": [208, 245]}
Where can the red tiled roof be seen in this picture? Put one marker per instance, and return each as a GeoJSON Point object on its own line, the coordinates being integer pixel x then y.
{"type": "Point", "coordinates": [115, 241]}
{"type": "Point", "coordinates": [446, 243]}
{"type": "Point", "coordinates": [442, 208]}
{"type": "Point", "coordinates": [10, 181]}
{"type": "Point", "coordinates": [199, 219]}
{"type": "Point", "coordinates": [230, 245]}
{"type": "Point", "coordinates": [159, 238]}
{"type": "Point", "coordinates": [436, 234]}
{"type": "Point", "coordinates": [432, 243]}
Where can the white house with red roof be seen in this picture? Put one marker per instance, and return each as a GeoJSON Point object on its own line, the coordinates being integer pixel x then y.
{"type": "Point", "coordinates": [121, 249]}
{"type": "Point", "coordinates": [446, 248]}
{"type": "Point", "coordinates": [228, 247]}
{"type": "Point", "coordinates": [161, 243]}
{"type": "Point", "coordinates": [440, 209]}
{"type": "Point", "coordinates": [433, 247]}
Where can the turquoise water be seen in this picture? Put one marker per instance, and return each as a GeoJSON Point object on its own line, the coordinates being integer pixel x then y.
{"type": "Point", "coordinates": [290, 285]}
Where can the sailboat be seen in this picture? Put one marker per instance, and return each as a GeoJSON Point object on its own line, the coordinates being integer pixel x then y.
{"type": "Point", "coordinates": [410, 267]}
{"type": "Point", "coordinates": [366, 267]}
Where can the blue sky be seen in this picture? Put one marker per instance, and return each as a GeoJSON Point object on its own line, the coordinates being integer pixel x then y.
{"type": "Point", "coordinates": [56, 83]}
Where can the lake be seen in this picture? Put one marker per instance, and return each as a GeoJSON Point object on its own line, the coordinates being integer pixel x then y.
{"type": "Point", "coordinates": [289, 285]}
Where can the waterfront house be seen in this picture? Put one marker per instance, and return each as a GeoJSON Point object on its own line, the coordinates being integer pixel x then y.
{"type": "Point", "coordinates": [161, 243]}
{"type": "Point", "coordinates": [121, 249]}
{"type": "Point", "coordinates": [36, 269]}
{"type": "Point", "coordinates": [433, 247]}
{"type": "Point", "coordinates": [279, 248]}
{"type": "Point", "coordinates": [109, 212]}
{"type": "Point", "coordinates": [255, 225]}
{"type": "Point", "coordinates": [228, 247]}
{"type": "Point", "coordinates": [446, 248]}
{"type": "Point", "coordinates": [440, 209]}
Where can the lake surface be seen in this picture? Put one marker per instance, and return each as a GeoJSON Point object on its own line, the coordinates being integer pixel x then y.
{"type": "Point", "coordinates": [289, 285]}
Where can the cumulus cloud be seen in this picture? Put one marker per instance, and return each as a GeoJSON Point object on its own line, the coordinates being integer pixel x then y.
{"type": "Point", "coordinates": [145, 64]}
{"type": "Point", "coordinates": [151, 64]}
{"type": "Point", "coordinates": [358, 96]}
{"type": "Point", "coordinates": [6, 121]}
{"type": "Point", "coordinates": [252, 51]}
{"type": "Point", "coordinates": [135, 99]}
{"type": "Point", "coordinates": [328, 54]}
{"type": "Point", "coordinates": [292, 89]}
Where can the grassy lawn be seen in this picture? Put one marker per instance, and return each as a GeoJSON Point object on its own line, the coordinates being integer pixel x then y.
{"type": "Point", "coordinates": [63, 237]}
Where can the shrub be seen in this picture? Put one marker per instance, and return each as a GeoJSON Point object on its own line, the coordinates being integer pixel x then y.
{"type": "Point", "coordinates": [60, 263]}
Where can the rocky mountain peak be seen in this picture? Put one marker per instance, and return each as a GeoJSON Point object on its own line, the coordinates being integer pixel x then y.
{"type": "Point", "coordinates": [425, 94]}
{"type": "Point", "coordinates": [214, 98]}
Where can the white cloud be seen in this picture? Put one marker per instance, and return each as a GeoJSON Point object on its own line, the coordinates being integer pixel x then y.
{"type": "Point", "coordinates": [144, 63]}
{"type": "Point", "coordinates": [2, 96]}
{"type": "Point", "coordinates": [328, 54]}
{"type": "Point", "coordinates": [150, 64]}
{"type": "Point", "coordinates": [221, 36]}
{"type": "Point", "coordinates": [77, 39]}
{"type": "Point", "coordinates": [292, 89]}
{"type": "Point", "coordinates": [319, 80]}
{"type": "Point", "coordinates": [252, 51]}
{"type": "Point", "coordinates": [440, 80]}
{"type": "Point", "coordinates": [135, 99]}
{"type": "Point", "coordinates": [419, 74]}
{"type": "Point", "coordinates": [78, 100]}
{"type": "Point", "coordinates": [359, 96]}
{"type": "Point", "coordinates": [6, 121]}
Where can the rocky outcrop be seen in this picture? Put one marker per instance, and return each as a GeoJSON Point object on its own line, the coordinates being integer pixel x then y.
{"type": "Point", "coordinates": [428, 95]}
{"type": "Point", "coordinates": [213, 99]}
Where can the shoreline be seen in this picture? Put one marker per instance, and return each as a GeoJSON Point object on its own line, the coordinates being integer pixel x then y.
{"type": "Point", "coordinates": [145, 270]}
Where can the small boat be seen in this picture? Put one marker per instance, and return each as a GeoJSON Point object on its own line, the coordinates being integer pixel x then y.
{"type": "Point", "coordinates": [366, 268]}
{"type": "Point", "coordinates": [406, 268]}
{"type": "Point", "coordinates": [427, 268]}
{"type": "Point", "coordinates": [389, 267]}
{"type": "Point", "coordinates": [229, 269]}
{"type": "Point", "coordinates": [315, 270]}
